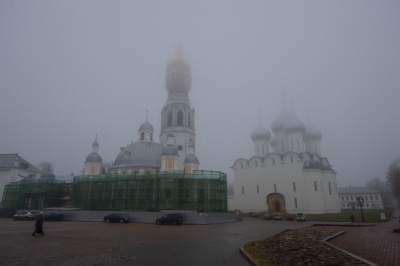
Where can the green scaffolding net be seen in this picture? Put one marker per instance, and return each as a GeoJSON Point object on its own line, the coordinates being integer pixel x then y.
{"type": "Point", "coordinates": [199, 191]}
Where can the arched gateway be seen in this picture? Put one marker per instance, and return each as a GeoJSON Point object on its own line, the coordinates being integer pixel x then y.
{"type": "Point", "coordinates": [276, 202]}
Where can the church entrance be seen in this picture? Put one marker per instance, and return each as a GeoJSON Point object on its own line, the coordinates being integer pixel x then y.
{"type": "Point", "coordinates": [276, 202]}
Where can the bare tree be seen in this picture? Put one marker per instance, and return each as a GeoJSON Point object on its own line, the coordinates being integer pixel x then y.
{"type": "Point", "coordinates": [46, 167]}
{"type": "Point", "coordinates": [393, 177]}
{"type": "Point", "coordinates": [107, 166]}
{"type": "Point", "coordinates": [384, 188]}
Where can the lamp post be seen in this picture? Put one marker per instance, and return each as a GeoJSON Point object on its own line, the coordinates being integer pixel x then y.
{"type": "Point", "coordinates": [361, 202]}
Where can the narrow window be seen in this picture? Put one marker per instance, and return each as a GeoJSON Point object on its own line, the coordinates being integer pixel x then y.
{"type": "Point", "coordinates": [142, 136]}
{"type": "Point", "coordinates": [291, 158]}
{"type": "Point", "coordinates": [242, 190]}
{"type": "Point", "coordinates": [298, 144]}
{"type": "Point", "coordinates": [294, 186]}
{"type": "Point", "coordinates": [189, 122]}
{"type": "Point", "coordinates": [315, 186]}
{"type": "Point", "coordinates": [151, 136]}
{"type": "Point", "coordinates": [258, 189]}
{"type": "Point", "coordinates": [295, 202]}
{"type": "Point", "coordinates": [273, 161]}
{"type": "Point", "coordinates": [169, 123]}
{"type": "Point", "coordinates": [330, 191]}
{"type": "Point", "coordinates": [275, 188]}
{"type": "Point", "coordinates": [180, 118]}
{"type": "Point", "coordinates": [256, 163]}
{"type": "Point", "coordinates": [292, 143]}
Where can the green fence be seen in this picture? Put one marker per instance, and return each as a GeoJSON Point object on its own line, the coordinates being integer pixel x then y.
{"type": "Point", "coordinates": [200, 191]}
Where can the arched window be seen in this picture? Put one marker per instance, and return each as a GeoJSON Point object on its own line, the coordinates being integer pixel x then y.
{"type": "Point", "coordinates": [316, 187]}
{"type": "Point", "coordinates": [291, 158]}
{"type": "Point", "coordinates": [142, 136]}
{"type": "Point", "coordinates": [294, 186]}
{"type": "Point", "coordinates": [151, 136]}
{"type": "Point", "coordinates": [242, 189]}
{"type": "Point", "coordinates": [180, 118]}
{"type": "Point", "coordinates": [258, 189]}
{"type": "Point", "coordinates": [275, 188]}
{"type": "Point", "coordinates": [295, 202]}
{"type": "Point", "coordinates": [298, 144]}
{"type": "Point", "coordinates": [330, 190]}
{"type": "Point", "coordinates": [256, 163]}
{"type": "Point", "coordinates": [273, 161]}
{"type": "Point", "coordinates": [189, 122]}
{"type": "Point", "coordinates": [169, 122]}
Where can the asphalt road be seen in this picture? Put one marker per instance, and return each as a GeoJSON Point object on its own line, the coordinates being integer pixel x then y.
{"type": "Point", "coordinates": [97, 243]}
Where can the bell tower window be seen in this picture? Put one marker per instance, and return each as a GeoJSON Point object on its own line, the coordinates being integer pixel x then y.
{"type": "Point", "coordinates": [169, 122]}
{"type": "Point", "coordinates": [142, 136]}
{"type": "Point", "coordinates": [189, 122]}
{"type": "Point", "coordinates": [180, 118]}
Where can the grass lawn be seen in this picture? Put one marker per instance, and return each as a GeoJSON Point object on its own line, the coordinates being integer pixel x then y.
{"type": "Point", "coordinates": [372, 216]}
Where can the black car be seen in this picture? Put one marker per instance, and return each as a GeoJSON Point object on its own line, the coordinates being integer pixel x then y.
{"type": "Point", "coordinates": [119, 218]}
{"type": "Point", "coordinates": [172, 218]}
{"type": "Point", "coordinates": [53, 217]}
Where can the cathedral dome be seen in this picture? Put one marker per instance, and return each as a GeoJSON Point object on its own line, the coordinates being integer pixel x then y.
{"type": "Point", "coordinates": [293, 125]}
{"type": "Point", "coordinates": [146, 126]}
{"type": "Point", "coordinates": [278, 123]}
{"type": "Point", "coordinates": [139, 154]}
{"type": "Point", "coordinates": [47, 175]}
{"type": "Point", "coordinates": [93, 158]}
{"type": "Point", "coordinates": [178, 78]}
{"type": "Point", "coordinates": [312, 133]}
{"type": "Point", "coordinates": [260, 133]}
{"type": "Point", "coordinates": [191, 158]}
{"type": "Point", "coordinates": [272, 142]}
{"type": "Point", "coordinates": [95, 143]}
{"type": "Point", "coordinates": [170, 150]}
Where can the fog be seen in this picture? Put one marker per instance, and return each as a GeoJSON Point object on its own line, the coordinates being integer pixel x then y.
{"type": "Point", "coordinates": [72, 69]}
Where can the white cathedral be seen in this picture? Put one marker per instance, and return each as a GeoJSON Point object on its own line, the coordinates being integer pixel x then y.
{"type": "Point", "coordinates": [176, 150]}
{"type": "Point", "coordinates": [293, 178]}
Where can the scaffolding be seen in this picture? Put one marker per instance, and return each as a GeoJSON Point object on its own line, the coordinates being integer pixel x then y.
{"type": "Point", "coordinates": [203, 191]}
{"type": "Point", "coordinates": [37, 194]}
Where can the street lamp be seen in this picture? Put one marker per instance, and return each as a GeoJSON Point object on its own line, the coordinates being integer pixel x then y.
{"type": "Point", "coordinates": [361, 202]}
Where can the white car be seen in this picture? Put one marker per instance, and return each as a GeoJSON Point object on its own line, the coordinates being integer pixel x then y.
{"type": "Point", "coordinates": [301, 217]}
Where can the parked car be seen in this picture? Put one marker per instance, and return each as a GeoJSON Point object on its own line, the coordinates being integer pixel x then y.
{"type": "Point", "coordinates": [171, 218]}
{"type": "Point", "coordinates": [289, 217]}
{"type": "Point", "coordinates": [301, 217]}
{"type": "Point", "coordinates": [53, 217]}
{"type": "Point", "coordinates": [267, 216]}
{"type": "Point", "coordinates": [254, 214]}
{"type": "Point", "coordinates": [112, 218]}
{"type": "Point", "coordinates": [25, 216]}
{"type": "Point", "coordinates": [277, 216]}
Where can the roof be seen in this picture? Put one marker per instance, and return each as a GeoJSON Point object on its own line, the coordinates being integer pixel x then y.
{"type": "Point", "coordinates": [139, 154]}
{"type": "Point", "coordinates": [7, 161]}
{"type": "Point", "coordinates": [356, 190]}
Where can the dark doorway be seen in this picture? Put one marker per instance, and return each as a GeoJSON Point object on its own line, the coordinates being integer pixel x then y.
{"type": "Point", "coordinates": [277, 206]}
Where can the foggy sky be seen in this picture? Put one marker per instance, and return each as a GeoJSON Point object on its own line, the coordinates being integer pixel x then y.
{"type": "Point", "coordinates": [72, 69]}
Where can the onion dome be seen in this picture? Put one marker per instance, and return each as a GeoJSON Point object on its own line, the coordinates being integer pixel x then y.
{"type": "Point", "coordinates": [294, 125]}
{"type": "Point", "coordinates": [146, 126]}
{"type": "Point", "coordinates": [93, 158]}
{"type": "Point", "coordinates": [170, 134]}
{"type": "Point", "coordinates": [170, 150]}
{"type": "Point", "coordinates": [272, 142]}
{"type": "Point", "coordinates": [191, 158]}
{"type": "Point", "coordinates": [312, 133]}
{"type": "Point", "coordinates": [47, 175]}
{"type": "Point", "coordinates": [139, 154]}
{"type": "Point", "coordinates": [280, 120]}
{"type": "Point", "coordinates": [178, 78]}
{"type": "Point", "coordinates": [191, 144]}
{"type": "Point", "coordinates": [95, 143]}
{"type": "Point", "coordinates": [260, 133]}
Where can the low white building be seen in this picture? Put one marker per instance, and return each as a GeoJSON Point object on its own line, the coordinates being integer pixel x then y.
{"type": "Point", "coordinates": [293, 178]}
{"type": "Point", "coordinates": [14, 168]}
{"type": "Point", "coordinates": [348, 198]}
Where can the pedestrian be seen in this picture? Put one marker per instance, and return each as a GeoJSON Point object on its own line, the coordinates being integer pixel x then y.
{"type": "Point", "coordinates": [39, 225]}
{"type": "Point", "coordinates": [352, 218]}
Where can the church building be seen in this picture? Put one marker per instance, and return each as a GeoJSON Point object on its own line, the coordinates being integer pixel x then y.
{"type": "Point", "coordinates": [291, 178]}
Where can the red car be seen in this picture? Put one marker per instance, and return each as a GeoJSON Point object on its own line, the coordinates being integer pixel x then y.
{"type": "Point", "coordinates": [289, 217]}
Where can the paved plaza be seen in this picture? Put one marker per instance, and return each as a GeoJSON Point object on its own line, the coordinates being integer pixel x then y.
{"type": "Point", "coordinates": [97, 243]}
